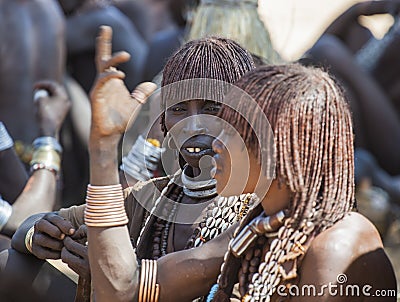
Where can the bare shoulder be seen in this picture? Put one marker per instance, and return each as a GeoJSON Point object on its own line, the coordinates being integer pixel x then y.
{"type": "Point", "coordinates": [353, 235]}
{"type": "Point", "coordinates": [352, 247]}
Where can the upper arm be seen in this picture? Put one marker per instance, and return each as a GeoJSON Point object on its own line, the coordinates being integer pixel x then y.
{"type": "Point", "coordinates": [347, 256]}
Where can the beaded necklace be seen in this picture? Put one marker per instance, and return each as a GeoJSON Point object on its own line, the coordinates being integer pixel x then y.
{"type": "Point", "coordinates": [222, 213]}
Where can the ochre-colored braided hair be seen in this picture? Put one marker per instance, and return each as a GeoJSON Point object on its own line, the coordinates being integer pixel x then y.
{"type": "Point", "coordinates": [313, 137]}
{"type": "Point", "coordinates": [207, 58]}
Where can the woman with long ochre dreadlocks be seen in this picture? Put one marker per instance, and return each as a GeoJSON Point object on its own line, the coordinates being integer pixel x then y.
{"type": "Point", "coordinates": [152, 232]}
{"type": "Point", "coordinates": [317, 240]}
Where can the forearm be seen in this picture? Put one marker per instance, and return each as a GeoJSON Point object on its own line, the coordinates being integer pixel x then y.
{"type": "Point", "coordinates": [38, 196]}
{"type": "Point", "coordinates": [111, 256]}
{"type": "Point", "coordinates": [13, 175]}
{"type": "Point", "coordinates": [113, 264]}
{"type": "Point", "coordinates": [18, 240]}
{"type": "Point", "coordinates": [186, 275]}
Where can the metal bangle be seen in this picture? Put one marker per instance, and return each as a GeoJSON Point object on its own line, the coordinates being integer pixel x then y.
{"type": "Point", "coordinates": [47, 141]}
{"type": "Point", "coordinates": [28, 238]}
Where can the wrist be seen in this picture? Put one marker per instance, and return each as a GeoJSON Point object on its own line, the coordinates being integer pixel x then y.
{"type": "Point", "coordinates": [43, 131]}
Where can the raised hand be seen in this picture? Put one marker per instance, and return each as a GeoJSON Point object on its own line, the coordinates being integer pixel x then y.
{"type": "Point", "coordinates": [52, 105]}
{"type": "Point", "coordinates": [112, 104]}
{"type": "Point", "coordinates": [50, 231]}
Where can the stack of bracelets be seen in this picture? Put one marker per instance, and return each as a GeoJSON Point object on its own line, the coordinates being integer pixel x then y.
{"type": "Point", "coordinates": [149, 290]}
{"type": "Point", "coordinates": [142, 160]}
{"type": "Point", "coordinates": [46, 154]}
{"type": "Point", "coordinates": [105, 206]}
{"type": "Point", "coordinates": [6, 142]}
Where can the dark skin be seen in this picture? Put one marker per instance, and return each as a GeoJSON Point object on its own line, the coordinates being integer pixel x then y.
{"type": "Point", "coordinates": [11, 184]}
{"type": "Point", "coordinates": [39, 194]}
{"type": "Point", "coordinates": [373, 96]}
{"type": "Point", "coordinates": [20, 22]}
{"type": "Point", "coordinates": [81, 31]}
{"type": "Point", "coordinates": [162, 26]}
{"type": "Point", "coordinates": [52, 233]}
{"type": "Point", "coordinates": [191, 134]}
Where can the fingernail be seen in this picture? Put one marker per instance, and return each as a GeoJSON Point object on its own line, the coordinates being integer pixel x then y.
{"type": "Point", "coordinates": [71, 231]}
{"type": "Point", "coordinates": [62, 236]}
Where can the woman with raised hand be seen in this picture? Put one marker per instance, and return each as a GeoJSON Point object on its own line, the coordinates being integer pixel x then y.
{"type": "Point", "coordinates": [153, 235]}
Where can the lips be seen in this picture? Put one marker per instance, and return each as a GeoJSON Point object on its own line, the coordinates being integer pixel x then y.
{"type": "Point", "coordinates": [197, 152]}
{"type": "Point", "coordinates": [197, 147]}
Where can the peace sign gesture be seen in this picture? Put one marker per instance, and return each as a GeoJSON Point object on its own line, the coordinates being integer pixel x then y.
{"type": "Point", "coordinates": [113, 107]}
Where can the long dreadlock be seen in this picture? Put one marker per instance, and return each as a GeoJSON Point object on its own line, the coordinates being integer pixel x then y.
{"type": "Point", "coordinates": [313, 136]}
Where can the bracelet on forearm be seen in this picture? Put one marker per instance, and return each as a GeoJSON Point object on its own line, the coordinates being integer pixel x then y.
{"type": "Point", "coordinates": [105, 206]}
{"type": "Point", "coordinates": [5, 212]}
{"type": "Point", "coordinates": [45, 157]}
{"type": "Point", "coordinates": [6, 141]}
{"type": "Point", "coordinates": [28, 238]}
{"type": "Point", "coordinates": [149, 290]}
{"type": "Point", "coordinates": [142, 159]}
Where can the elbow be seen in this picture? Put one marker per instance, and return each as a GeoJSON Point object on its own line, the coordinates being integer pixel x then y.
{"type": "Point", "coordinates": [120, 286]}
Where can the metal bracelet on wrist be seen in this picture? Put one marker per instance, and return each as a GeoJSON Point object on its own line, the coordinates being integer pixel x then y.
{"type": "Point", "coordinates": [47, 141]}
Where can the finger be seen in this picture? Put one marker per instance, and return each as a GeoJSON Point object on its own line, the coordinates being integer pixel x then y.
{"type": "Point", "coordinates": [108, 75]}
{"type": "Point", "coordinates": [77, 264]}
{"type": "Point", "coordinates": [54, 88]}
{"type": "Point", "coordinates": [118, 58]}
{"type": "Point", "coordinates": [39, 94]}
{"type": "Point", "coordinates": [143, 91]}
{"type": "Point", "coordinates": [54, 226]}
{"type": "Point", "coordinates": [43, 253]}
{"type": "Point", "coordinates": [81, 233]}
{"type": "Point", "coordinates": [103, 46]}
{"type": "Point", "coordinates": [75, 247]}
{"type": "Point", "coordinates": [47, 242]}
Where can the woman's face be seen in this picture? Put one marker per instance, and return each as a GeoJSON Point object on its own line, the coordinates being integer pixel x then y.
{"type": "Point", "coordinates": [236, 169]}
{"type": "Point", "coordinates": [193, 127]}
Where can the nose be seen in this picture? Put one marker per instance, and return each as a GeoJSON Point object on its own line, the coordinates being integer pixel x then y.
{"type": "Point", "coordinates": [194, 126]}
{"type": "Point", "coordinates": [217, 146]}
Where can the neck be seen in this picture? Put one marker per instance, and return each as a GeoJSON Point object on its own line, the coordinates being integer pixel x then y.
{"type": "Point", "coordinates": [277, 198]}
{"type": "Point", "coordinates": [196, 186]}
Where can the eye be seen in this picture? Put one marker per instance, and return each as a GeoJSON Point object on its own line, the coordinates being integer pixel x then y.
{"type": "Point", "coordinates": [177, 108]}
{"type": "Point", "coordinates": [212, 108]}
